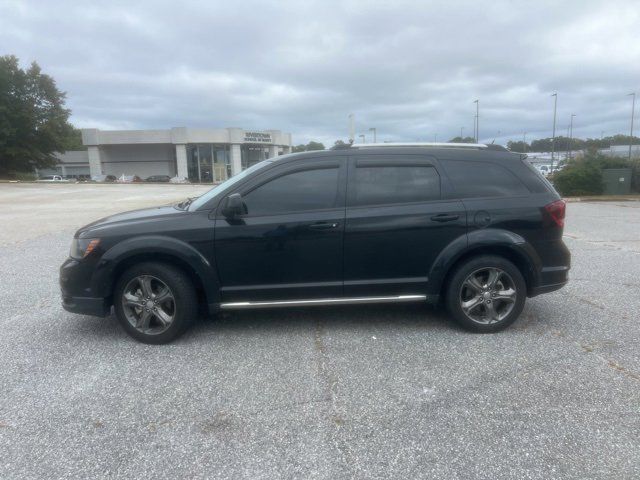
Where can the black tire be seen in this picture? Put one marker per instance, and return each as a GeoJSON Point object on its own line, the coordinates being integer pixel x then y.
{"type": "Point", "coordinates": [183, 300]}
{"type": "Point", "coordinates": [504, 311]}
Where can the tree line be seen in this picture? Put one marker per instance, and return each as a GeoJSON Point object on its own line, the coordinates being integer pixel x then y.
{"type": "Point", "coordinates": [565, 143]}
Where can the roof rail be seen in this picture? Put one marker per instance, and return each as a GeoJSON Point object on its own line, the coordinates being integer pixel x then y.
{"type": "Point", "coordinates": [420, 144]}
{"type": "Point", "coordinates": [471, 146]}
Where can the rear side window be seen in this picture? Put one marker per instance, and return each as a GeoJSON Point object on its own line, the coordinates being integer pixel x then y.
{"type": "Point", "coordinates": [295, 192]}
{"type": "Point", "coordinates": [383, 185]}
{"type": "Point", "coordinates": [483, 179]}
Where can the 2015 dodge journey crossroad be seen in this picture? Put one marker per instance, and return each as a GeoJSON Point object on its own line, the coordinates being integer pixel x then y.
{"type": "Point", "coordinates": [473, 225]}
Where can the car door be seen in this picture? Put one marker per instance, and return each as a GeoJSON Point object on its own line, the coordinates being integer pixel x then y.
{"type": "Point", "coordinates": [288, 245]}
{"type": "Point", "coordinates": [397, 222]}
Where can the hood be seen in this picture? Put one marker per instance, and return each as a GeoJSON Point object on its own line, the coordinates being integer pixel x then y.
{"type": "Point", "coordinates": [139, 217]}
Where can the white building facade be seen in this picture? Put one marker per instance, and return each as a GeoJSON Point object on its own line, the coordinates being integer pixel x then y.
{"type": "Point", "coordinates": [199, 155]}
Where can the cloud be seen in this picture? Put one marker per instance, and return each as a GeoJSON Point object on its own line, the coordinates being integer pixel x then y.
{"type": "Point", "coordinates": [409, 68]}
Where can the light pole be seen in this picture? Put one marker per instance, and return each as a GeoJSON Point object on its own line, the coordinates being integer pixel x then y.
{"type": "Point", "coordinates": [553, 138]}
{"type": "Point", "coordinates": [362, 137]}
{"type": "Point", "coordinates": [633, 108]}
{"type": "Point", "coordinates": [373, 129]}
{"type": "Point", "coordinates": [435, 138]}
{"type": "Point", "coordinates": [477, 120]}
{"type": "Point", "coordinates": [474, 128]}
{"type": "Point", "coordinates": [571, 136]}
{"type": "Point", "coordinates": [461, 130]}
{"type": "Point", "coordinates": [352, 135]}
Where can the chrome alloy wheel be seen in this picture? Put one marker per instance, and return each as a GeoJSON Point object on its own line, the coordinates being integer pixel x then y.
{"type": "Point", "coordinates": [488, 295]}
{"type": "Point", "coordinates": [148, 304]}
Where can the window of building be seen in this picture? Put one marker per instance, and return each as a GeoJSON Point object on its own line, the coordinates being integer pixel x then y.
{"type": "Point", "coordinates": [380, 185]}
{"type": "Point", "coordinates": [483, 179]}
{"type": "Point", "coordinates": [295, 192]}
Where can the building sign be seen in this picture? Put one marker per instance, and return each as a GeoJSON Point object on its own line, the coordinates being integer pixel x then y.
{"type": "Point", "coordinates": [257, 137]}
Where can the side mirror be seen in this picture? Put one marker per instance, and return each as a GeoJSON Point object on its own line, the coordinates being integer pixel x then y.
{"type": "Point", "coordinates": [234, 206]}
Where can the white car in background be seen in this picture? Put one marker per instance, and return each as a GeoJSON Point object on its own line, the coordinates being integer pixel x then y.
{"type": "Point", "coordinates": [52, 178]}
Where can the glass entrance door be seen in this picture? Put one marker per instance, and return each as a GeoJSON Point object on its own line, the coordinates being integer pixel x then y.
{"type": "Point", "coordinates": [207, 163]}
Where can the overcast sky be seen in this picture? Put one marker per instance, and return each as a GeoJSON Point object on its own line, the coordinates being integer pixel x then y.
{"type": "Point", "coordinates": [409, 68]}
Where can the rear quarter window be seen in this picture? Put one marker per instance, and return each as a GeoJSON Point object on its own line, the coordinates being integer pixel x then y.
{"type": "Point", "coordinates": [483, 179]}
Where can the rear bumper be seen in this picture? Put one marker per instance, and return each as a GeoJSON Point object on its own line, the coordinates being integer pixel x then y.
{"type": "Point", "coordinates": [551, 279]}
{"type": "Point", "coordinates": [97, 307]}
{"type": "Point", "coordinates": [546, 289]}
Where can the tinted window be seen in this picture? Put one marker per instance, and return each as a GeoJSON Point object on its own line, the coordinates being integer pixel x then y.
{"type": "Point", "coordinates": [481, 179]}
{"type": "Point", "coordinates": [401, 184]}
{"type": "Point", "coordinates": [295, 192]}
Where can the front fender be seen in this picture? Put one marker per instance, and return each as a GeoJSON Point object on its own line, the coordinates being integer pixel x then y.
{"type": "Point", "coordinates": [104, 276]}
{"type": "Point", "coordinates": [493, 239]}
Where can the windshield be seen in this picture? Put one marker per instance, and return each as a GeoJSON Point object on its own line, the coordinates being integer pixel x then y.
{"type": "Point", "coordinates": [203, 199]}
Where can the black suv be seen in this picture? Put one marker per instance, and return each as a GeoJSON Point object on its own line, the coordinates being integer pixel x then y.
{"type": "Point", "coordinates": [474, 225]}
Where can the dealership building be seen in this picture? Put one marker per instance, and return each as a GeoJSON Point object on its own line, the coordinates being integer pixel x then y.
{"type": "Point", "coordinates": [199, 155]}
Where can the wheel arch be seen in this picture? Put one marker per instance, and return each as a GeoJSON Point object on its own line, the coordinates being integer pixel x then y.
{"type": "Point", "coordinates": [486, 242]}
{"type": "Point", "coordinates": [156, 249]}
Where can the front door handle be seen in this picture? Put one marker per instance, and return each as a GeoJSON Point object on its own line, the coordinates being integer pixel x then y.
{"type": "Point", "coordinates": [323, 226]}
{"type": "Point", "coordinates": [445, 217]}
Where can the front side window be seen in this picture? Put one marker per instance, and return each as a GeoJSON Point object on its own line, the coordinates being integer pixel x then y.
{"type": "Point", "coordinates": [380, 185]}
{"type": "Point", "coordinates": [483, 179]}
{"type": "Point", "coordinates": [294, 192]}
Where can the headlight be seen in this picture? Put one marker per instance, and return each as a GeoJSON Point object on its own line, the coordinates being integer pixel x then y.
{"type": "Point", "coordinates": [81, 247]}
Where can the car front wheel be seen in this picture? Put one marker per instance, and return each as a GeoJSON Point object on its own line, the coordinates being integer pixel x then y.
{"type": "Point", "coordinates": [486, 294]}
{"type": "Point", "coordinates": [154, 302]}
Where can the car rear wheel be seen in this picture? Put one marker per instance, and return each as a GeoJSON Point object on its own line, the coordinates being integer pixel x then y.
{"type": "Point", "coordinates": [486, 294]}
{"type": "Point", "coordinates": [154, 302]}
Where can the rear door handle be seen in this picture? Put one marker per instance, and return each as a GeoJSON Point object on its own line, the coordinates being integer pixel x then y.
{"type": "Point", "coordinates": [445, 217]}
{"type": "Point", "coordinates": [323, 226]}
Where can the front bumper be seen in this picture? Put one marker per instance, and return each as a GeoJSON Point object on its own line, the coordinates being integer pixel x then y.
{"type": "Point", "coordinates": [75, 286]}
{"type": "Point", "coordinates": [98, 307]}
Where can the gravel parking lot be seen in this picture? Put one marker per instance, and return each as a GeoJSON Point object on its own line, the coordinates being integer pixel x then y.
{"type": "Point", "coordinates": [353, 392]}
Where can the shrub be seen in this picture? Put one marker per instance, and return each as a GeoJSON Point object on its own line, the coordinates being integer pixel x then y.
{"type": "Point", "coordinates": [584, 176]}
{"type": "Point", "coordinates": [579, 179]}
{"type": "Point", "coordinates": [21, 176]}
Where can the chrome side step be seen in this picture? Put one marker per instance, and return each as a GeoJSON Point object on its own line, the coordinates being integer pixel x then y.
{"type": "Point", "coordinates": [322, 301]}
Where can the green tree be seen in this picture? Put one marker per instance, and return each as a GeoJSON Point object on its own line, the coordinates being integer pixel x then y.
{"type": "Point", "coordinates": [33, 118]}
{"type": "Point", "coordinates": [460, 139]}
{"type": "Point", "coordinates": [308, 147]}
{"type": "Point", "coordinates": [520, 146]}
{"type": "Point", "coordinates": [74, 140]}
{"type": "Point", "coordinates": [299, 148]}
{"type": "Point", "coordinates": [314, 146]}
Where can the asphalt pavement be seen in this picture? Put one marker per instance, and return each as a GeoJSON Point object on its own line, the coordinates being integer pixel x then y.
{"type": "Point", "coordinates": [383, 391]}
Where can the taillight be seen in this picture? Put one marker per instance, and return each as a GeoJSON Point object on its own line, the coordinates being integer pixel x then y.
{"type": "Point", "coordinates": [556, 211]}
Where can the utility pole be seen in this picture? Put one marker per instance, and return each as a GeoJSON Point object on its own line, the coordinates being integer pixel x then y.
{"type": "Point", "coordinates": [524, 142]}
{"type": "Point", "coordinates": [435, 138]}
{"type": "Point", "coordinates": [553, 139]}
{"type": "Point", "coordinates": [571, 136]}
{"type": "Point", "coordinates": [373, 129]}
{"type": "Point", "coordinates": [633, 108]}
{"type": "Point", "coordinates": [461, 130]}
{"type": "Point", "coordinates": [362, 137]}
{"type": "Point", "coordinates": [477, 120]}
